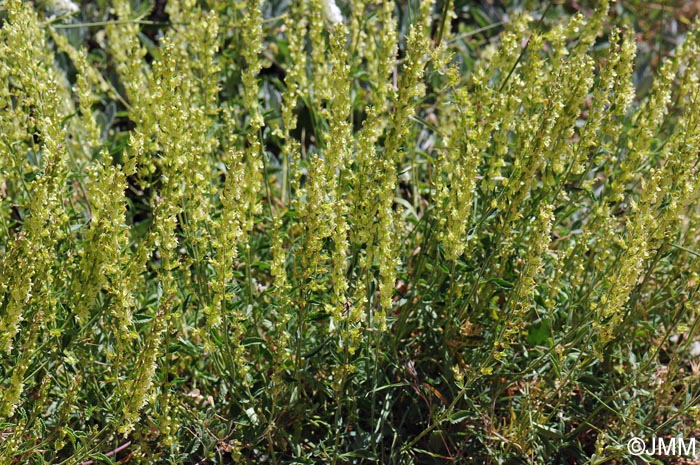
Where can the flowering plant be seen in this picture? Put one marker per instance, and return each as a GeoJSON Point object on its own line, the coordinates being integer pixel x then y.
{"type": "Point", "coordinates": [327, 232]}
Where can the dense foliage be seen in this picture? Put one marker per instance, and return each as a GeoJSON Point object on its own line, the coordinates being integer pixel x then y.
{"type": "Point", "coordinates": [247, 232]}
